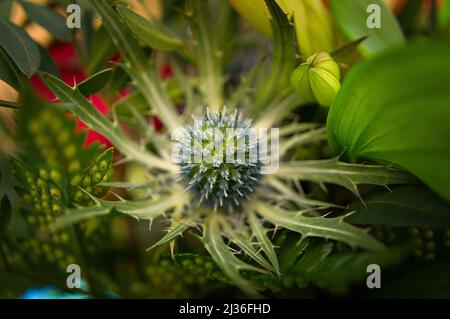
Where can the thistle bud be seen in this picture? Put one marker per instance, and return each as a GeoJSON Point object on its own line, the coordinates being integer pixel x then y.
{"type": "Point", "coordinates": [317, 79]}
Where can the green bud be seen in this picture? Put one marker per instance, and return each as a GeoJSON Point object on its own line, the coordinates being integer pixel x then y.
{"type": "Point", "coordinates": [75, 180]}
{"type": "Point", "coordinates": [55, 176]}
{"type": "Point", "coordinates": [86, 182]}
{"type": "Point", "coordinates": [103, 165]}
{"type": "Point", "coordinates": [43, 174]}
{"type": "Point", "coordinates": [55, 192]}
{"type": "Point", "coordinates": [317, 79]}
{"type": "Point", "coordinates": [74, 166]}
{"type": "Point", "coordinates": [97, 178]}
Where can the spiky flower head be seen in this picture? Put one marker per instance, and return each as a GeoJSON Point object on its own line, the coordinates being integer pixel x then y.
{"type": "Point", "coordinates": [219, 161]}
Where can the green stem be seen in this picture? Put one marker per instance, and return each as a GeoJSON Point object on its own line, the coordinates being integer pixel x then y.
{"type": "Point", "coordinates": [7, 104]}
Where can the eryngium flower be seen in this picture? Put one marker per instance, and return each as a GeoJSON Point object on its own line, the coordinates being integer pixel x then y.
{"type": "Point", "coordinates": [220, 161]}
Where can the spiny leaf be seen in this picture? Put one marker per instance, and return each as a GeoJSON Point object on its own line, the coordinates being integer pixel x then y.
{"type": "Point", "coordinates": [264, 242]}
{"type": "Point", "coordinates": [146, 77]}
{"type": "Point", "coordinates": [93, 118]}
{"type": "Point", "coordinates": [346, 175]}
{"type": "Point", "coordinates": [224, 258]}
{"type": "Point", "coordinates": [175, 230]}
{"type": "Point", "coordinates": [142, 210]}
{"type": "Point", "coordinates": [242, 239]}
{"type": "Point", "coordinates": [20, 47]}
{"type": "Point", "coordinates": [332, 228]}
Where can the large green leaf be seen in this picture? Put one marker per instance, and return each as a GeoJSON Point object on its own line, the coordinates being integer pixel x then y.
{"type": "Point", "coordinates": [20, 47]}
{"type": "Point", "coordinates": [395, 108]}
{"type": "Point", "coordinates": [405, 206]}
{"type": "Point", "coordinates": [351, 17]}
{"type": "Point", "coordinates": [49, 19]}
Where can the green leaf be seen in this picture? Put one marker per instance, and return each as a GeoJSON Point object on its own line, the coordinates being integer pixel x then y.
{"type": "Point", "coordinates": [132, 102]}
{"type": "Point", "coordinates": [208, 54]}
{"type": "Point", "coordinates": [405, 206]}
{"type": "Point", "coordinates": [175, 230]}
{"type": "Point", "coordinates": [11, 105]}
{"type": "Point", "coordinates": [255, 13]}
{"type": "Point", "coordinates": [343, 174]}
{"type": "Point", "coordinates": [102, 49]}
{"type": "Point", "coordinates": [47, 63]}
{"type": "Point", "coordinates": [19, 47]}
{"type": "Point", "coordinates": [394, 108]}
{"type": "Point", "coordinates": [145, 77]}
{"type": "Point", "coordinates": [331, 228]}
{"type": "Point", "coordinates": [5, 8]}
{"type": "Point", "coordinates": [224, 258]}
{"type": "Point", "coordinates": [313, 25]}
{"type": "Point", "coordinates": [95, 83]}
{"type": "Point", "coordinates": [429, 280]}
{"type": "Point", "coordinates": [351, 17]}
{"type": "Point", "coordinates": [339, 271]}
{"type": "Point", "coordinates": [264, 242]}
{"type": "Point", "coordinates": [344, 54]}
{"type": "Point", "coordinates": [9, 72]}
{"type": "Point", "coordinates": [94, 119]}
{"type": "Point", "coordinates": [284, 56]}
{"type": "Point", "coordinates": [49, 19]}
{"type": "Point", "coordinates": [147, 209]}
{"type": "Point", "coordinates": [5, 213]}
{"type": "Point", "coordinates": [153, 34]}
{"type": "Point", "coordinates": [242, 239]}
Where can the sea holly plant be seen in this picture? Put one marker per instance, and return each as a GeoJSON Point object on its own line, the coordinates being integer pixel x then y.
{"type": "Point", "coordinates": [224, 200]}
{"type": "Point", "coordinates": [275, 170]}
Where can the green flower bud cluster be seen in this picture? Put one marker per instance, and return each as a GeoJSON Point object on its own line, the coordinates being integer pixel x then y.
{"type": "Point", "coordinates": [96, 234]}
{"type": "Point", "coordinates": [198, 264]}
{"type": "Point", "coordinates": [425, 243]}
{"type": "Point", "coordinates": [175, 280]}
{"type": "Point", "coordinates": [99, 172]}
{"type": "Point", "coordinates": [43, 194]}
{"type": "Point", "coordinates": [387, 234]}
{"type": "Point", "coordinates": [41, 191]}
{"type": "Point", "coordinates": [53, 136]}
{"type": "Point", "coordinates": [53, 252]}
{"type": "Point", "coordinates": [317, 79]}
